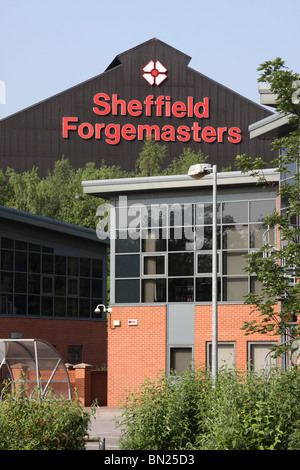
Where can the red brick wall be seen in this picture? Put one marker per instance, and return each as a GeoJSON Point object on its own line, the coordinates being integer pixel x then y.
{"type": "Point", "coordinates": [135, 352]}
{"type": "Point", "coordinates": [99, 387]}
{"type": "Point", "coordinates": [91, 335]}
{"type": "Point", "coordinates": [230, 321]}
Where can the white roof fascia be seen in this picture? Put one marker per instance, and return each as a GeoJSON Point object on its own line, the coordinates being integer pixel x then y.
{"type": "Point", "coordinates": [106, 188]}
{"type": "Point", "coordinates": [268, 124]}
{"type": "Point", "coordinates": [267, 97]}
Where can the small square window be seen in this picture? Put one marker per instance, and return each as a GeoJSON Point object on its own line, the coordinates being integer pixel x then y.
{"type": "Point", "coordinates": [127, 266]}
{"type": "Point", "coordinates": [75, 354]}
{"type": "Point", "coordinates": [127, 291]}
{"type": "Point", "coordinates": [154, 265]}
{"type": "Point", "coordinates": [154, 290]}
{"type": "Point", "coordinates": [226, 355]}
{"type": "Point", "coordinates": [180, 359]}
{"type": "Point", "coordinates": [181, 289]}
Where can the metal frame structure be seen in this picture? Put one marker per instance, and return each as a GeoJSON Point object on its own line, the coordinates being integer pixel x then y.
{"type": "Point", "coordinates": [35, 363]}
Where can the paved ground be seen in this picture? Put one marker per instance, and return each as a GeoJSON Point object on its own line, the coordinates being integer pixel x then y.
{"type": "Point", "coordinates": [103, 425]}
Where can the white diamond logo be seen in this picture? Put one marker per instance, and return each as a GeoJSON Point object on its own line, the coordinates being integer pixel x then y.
{"type": "Point", "coordinates": [154, 72]}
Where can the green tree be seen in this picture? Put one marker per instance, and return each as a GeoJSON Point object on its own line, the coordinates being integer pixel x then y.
{"type": "Point", "coordinates": [276, 269]}
{"type": "Point", "coordinates": [54, 195]}
{"type": "Point", "coordinates": [180, 165]}
{"type": "Point", "coordinates": [151, 158]}
{"type": "Point", "coordinates": [20, 191]}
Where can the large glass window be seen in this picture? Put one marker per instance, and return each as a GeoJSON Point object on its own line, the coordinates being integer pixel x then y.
{"type": "Point", "coordinates": [35, 281]}
{"type": "Point", "coordinates": [165, 253]}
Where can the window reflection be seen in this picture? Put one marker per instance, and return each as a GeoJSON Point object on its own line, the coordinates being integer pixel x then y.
{"type": "Point", "coordinates": [259, 211]}
{"type": "Point", "coordinates": [181, 264]}
{"type": "Point", "coordinates": [175, 251]}
{"type": "Point", "coordinates": [235, 236]}
{"type": "Point", "coordinates": [235, 212]}
{"type": "Point", "coordinates": [30, 274]}
{"type": "Point", "coordinates": [154, 290]}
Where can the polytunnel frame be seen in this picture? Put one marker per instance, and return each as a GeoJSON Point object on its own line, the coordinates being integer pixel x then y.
{"type": "Point", "coordinates": [33, 357]}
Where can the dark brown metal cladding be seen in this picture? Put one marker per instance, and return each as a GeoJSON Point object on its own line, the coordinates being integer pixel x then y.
{"type": "Point", "coordinates": [33, 137]}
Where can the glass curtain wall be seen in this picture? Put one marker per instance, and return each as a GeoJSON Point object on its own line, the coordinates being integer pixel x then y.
{"type": "Point", "coordinates": [164, 254]}
{"type": "Point", "coordinates": [36, 281]}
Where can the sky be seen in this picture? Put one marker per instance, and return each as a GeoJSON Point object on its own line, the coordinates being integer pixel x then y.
{"type": "Point", "coordinates": [47, 46]}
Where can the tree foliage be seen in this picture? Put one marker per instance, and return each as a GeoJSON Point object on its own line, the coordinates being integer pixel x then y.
{"type": "Point", "coordinates": [150, 160]}
{"type": "Point", "coordinates": [278, 268]}
{"type": "Point", "coordinates": [54, 195]}
{"type": "Point", "coordinates": [243, 411]}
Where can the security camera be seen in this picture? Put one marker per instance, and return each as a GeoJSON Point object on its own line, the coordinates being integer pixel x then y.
{"type": "Point", "coordinates": [104, 309]}
{"type": "Point", "coordinates": [98, 309]}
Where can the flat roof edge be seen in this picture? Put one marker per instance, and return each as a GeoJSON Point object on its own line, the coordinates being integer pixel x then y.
{"type": "Point", "coordinates": [268, 124]}
{"type": "Point", "coordinates": [104, 188]}
{"type": "Point", "coordinates": [10, 213]}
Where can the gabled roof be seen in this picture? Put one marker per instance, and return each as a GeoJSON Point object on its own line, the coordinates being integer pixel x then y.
{"type": "Point", "coordinates": [118, 59]}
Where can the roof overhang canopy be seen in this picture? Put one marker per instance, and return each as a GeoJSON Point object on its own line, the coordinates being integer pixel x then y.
{"type": "Point", "coordinates": [271, 127]}
{"type": "Point", "coordinates": [108, 189]}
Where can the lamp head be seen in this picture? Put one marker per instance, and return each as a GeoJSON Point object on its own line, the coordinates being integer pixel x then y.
{"type": "Point", "coordinates": [199, 170]}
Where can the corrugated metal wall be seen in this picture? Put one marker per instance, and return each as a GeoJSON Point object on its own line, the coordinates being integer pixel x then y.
{"type": "Point", "coordinates": [33, 137]}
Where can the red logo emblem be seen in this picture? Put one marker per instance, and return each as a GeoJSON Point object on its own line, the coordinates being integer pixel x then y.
{"type": "Point", "coordinates": [155, 72]}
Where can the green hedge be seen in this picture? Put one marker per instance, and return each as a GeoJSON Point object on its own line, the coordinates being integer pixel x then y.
{"type": "Point", "coordinates": [42, 424]}
{"type": "Point", "coordinates": [242, 411]}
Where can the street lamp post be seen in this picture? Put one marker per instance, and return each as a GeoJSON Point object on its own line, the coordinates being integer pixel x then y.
{"type": "Point", "coordinates": [199, 171]}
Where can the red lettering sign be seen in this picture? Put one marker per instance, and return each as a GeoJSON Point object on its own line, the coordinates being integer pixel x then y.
{"type": "Point", "coordinates": [161, 106]}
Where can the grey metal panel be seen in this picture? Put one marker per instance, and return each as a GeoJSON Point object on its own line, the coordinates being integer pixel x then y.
{"type": "Point", "coordinates": [181, 324]}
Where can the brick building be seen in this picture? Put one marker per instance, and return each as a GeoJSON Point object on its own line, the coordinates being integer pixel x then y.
{"type": "Point", "coordinates": [161, 272]}
{"type": "Point", "coordinates": [52, 276]}
{"type": "Point", "coordinates": [160, 289]}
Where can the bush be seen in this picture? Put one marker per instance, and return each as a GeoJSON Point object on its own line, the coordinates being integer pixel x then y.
{"type": "Point", "coordinates": [165, 414]}
{"type": "Point", "coordinates": [42, 424]}
{"type": "Point", "coordinates": [242, 411]}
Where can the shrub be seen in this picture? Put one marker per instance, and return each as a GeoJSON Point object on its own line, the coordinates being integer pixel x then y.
{"type": "Point", "coordinates": [42, 424]}
{"type": "Point", "coordinates": [165, 414]}
{"type": "Point", "coordinates": [243, 411]}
